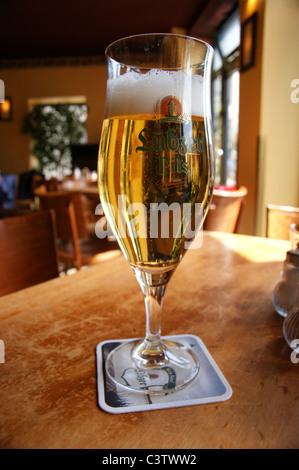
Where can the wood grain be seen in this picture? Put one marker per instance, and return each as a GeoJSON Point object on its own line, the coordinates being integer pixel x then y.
{"type": "Point", "coordinates": [221, 293]}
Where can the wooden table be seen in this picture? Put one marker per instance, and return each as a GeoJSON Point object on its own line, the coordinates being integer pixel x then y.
{"type": "Point", "coordinates": [89, 188]}
{"type": "Point", "coordinates": [221, 293]}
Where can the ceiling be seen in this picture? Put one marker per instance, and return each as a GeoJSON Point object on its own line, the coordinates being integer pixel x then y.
{"type": "Point", "coordinates": [70, 28]}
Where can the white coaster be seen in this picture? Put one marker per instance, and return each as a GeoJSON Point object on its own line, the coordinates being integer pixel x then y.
{"type": "Point", "coordinates": [209, 386]}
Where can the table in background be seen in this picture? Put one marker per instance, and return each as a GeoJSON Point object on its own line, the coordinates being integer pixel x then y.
{"type": "Point", "coordinates": [83, 186]}
{"type": "Point", "coordinates": [221, 293]}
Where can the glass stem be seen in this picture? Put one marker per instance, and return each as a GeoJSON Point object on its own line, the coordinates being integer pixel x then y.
{"type": "Point", "coordinates": [153, 300]}
{"type": "Point", "coordinates": [151, 352]}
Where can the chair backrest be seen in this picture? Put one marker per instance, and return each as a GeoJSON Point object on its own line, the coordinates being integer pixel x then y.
{"type": "Point", "coordinates": [60, 201]}
{"type": "Point", "coordinates": [27, 183]}
{"type": "Point", "coordinates": [70, 220]}
{"type": "Point", "coordinates": [28, 253]}
{"type": "Point", "coordinates": [279, 219]}
{"type": "Point", "coordinates": [225, 210]}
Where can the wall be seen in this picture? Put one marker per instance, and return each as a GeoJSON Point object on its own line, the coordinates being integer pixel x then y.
{"type": "Point", "coordinates": [268, 131]}
{"type": "Point", "coordinates": [249, 120]}
{"type": "Point", "coordinates": [21, 84]}
{"type": "Point", "coordinates": [279, 126]}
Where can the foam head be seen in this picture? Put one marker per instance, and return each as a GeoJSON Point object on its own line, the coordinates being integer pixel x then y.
{"type": "Point", "coordinates": [138, 93]}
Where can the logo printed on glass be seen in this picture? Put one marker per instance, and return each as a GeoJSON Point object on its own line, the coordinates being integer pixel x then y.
{"type": "Point", "coordinates": [171, 108]}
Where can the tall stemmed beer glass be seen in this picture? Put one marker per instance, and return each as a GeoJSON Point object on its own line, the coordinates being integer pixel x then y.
{"type": "Point", "coordinates": [156, 174]}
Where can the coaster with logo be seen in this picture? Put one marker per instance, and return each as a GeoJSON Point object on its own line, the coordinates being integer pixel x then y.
{"type": "Point", "coordinates": [209, 386]}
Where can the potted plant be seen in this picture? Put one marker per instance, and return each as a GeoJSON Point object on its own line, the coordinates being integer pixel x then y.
{"type": "Point", "coordinates": [53, 129]}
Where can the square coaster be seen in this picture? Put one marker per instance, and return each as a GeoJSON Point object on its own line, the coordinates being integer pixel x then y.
{"type": "Point", "coordinates": [209, 386]}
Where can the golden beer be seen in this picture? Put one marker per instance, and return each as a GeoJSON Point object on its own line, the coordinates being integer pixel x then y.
{"type": "Point", "coordinates": [153, 162]}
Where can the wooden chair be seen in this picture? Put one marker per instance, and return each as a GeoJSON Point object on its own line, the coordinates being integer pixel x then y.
{"type": "Point", "coordinates": [27, 185]}
{"type": "Point", "coordinates": [76, 247]}
{"type": "Point", "coordinates": [17, 193]}
{"type": "Point", "coordinates": [225, 210]}
{"type": "Point", "coordinates": [28, 251]}
{"type": "Point", "coordinates": [279, 219]}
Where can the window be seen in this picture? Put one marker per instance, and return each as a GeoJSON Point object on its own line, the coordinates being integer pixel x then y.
{"type": "Point", "coordinates": [225, 100]}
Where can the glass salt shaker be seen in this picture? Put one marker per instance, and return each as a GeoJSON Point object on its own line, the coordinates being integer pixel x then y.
{"type": "Point", "coordinates": [285, 294]}
{"type": "Point", "coordinates": [294, 236]}
{"type": "Point", "coordinates": [291, 326]}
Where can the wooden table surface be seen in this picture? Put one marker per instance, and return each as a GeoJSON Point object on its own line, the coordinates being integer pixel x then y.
{"type": "Point", "coordinates": [221, 293]}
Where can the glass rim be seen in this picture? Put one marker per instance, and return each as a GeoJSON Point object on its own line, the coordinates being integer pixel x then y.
{"type": "Point", "coordinates": [208, 46]}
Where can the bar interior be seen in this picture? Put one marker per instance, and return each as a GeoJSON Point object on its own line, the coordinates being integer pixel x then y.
{"type": "Point", "coordinates": [69, 298]}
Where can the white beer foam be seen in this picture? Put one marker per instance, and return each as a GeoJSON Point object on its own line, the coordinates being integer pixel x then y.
{"type": "Point", "coordinates": [135, 93]}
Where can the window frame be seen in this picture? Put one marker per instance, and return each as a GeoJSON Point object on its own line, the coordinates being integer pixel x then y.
{"type": "Point", "coordinates": [230, 64]}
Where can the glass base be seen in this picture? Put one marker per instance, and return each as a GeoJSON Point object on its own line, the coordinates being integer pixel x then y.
{"type": "Point", "coordinates": [170, 370]}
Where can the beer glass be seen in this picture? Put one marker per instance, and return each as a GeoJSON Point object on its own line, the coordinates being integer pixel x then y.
{"type": "Point", "coordinates": [156, 176]}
